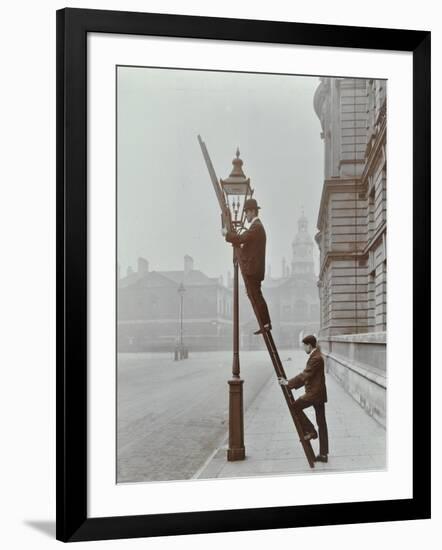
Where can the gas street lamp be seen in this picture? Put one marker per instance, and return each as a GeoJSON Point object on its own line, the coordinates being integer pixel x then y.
{"type": "Point", "coordinates": [237, 190]}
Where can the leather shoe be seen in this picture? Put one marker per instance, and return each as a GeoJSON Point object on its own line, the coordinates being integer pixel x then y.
{"type": "Point", "coordinates": [266, 328]}
{"type": "Point", "coordinates": [321, 458]}
{"type": "Point", "coordinates": [310, 435]}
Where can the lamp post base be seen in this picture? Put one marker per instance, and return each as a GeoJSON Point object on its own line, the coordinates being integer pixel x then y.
{"type": "Point", "coordinates": [236, 454]}
{"type": "Point", "coordinates": [180, 352]}
{"type": "Point", "coordinates": [236, 450]}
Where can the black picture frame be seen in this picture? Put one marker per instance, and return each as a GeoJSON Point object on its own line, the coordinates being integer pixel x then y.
{"type": "Point", "coordinates": [71, 377]}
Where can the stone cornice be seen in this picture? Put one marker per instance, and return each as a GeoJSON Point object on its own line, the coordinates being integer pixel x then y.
{"type": "Point", "coordinates": [334, 185]}
{"type": "Point", "coordinates": [329, 256]}
{"type": "Point", "coordinates": [376, 237]}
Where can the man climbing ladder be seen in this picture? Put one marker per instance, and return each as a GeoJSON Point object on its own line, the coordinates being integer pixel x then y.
{"type": "Point", "coordinates": [313, 379]}
{"type": "Point", "coordinates": [253, 249]}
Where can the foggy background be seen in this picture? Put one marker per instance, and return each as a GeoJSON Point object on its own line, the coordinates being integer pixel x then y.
{"type": "Point", "coordinates": [166, 204]}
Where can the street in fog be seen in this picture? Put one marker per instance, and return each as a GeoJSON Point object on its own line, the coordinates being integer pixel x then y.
{"type": "Point", "coordinates": [173, 414]}
{"type": "Point", "coordinates": [320, 251]}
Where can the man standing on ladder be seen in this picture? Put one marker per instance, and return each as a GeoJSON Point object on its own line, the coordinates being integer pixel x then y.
{"type": "Point", "coordinates": [253, 249]}
{"type": "Point", "coordinates": [313, 379]}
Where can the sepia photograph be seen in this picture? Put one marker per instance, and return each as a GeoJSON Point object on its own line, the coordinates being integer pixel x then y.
{"type": "Point", "coordinates": [251, 261]}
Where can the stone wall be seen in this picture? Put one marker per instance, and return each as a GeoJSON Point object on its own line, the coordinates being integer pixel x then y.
{"type": "Point", "coordinates": [358, 362]}
{"type": "Point", "coordinates": [342, 240]}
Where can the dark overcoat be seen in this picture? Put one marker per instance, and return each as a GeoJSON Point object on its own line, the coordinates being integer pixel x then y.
{"type": "Point", "coordinates": [253, 249]}
{"type": "Point", "coordinates": [313, 378]}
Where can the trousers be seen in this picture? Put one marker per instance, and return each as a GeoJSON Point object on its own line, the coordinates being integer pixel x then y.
{"type": "Point", "coordinates": [253, 288]}
{"type": "Point", "coordinates": [302, 403]}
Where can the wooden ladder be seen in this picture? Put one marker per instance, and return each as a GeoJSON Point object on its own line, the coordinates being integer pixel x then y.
{"type": "Point", "coordinates": [279, 370]}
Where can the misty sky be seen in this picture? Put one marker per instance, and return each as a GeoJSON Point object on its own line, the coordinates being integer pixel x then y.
{"type": "Point", "coordinates": [166, 204]}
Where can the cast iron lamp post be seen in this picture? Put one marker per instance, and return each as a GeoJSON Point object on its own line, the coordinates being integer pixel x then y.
{"type": "Point", "coordinates": [182, 351]}
{"type": "Point", "coordinates": [237, 190]}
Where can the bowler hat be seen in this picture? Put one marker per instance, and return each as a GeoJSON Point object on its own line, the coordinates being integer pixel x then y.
{"type": "Point", "coordinates": [251, 204]}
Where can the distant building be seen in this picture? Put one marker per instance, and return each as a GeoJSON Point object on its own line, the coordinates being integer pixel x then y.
{"type": "Point", "coordinates": [149, 305]}
{"type": "Point", "coordinates": [352, 226]}
{"type": "Point", "coordinates": [149, 310]}
{"type": "Point", "coordinates": [292, 299]}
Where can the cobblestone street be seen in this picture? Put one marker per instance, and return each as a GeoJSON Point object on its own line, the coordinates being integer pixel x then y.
{"type": "Point", "coordinates": [172, 415]}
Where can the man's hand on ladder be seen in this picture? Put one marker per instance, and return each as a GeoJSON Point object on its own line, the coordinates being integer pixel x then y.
{"type": "Point", "coordinates": [282, 381]}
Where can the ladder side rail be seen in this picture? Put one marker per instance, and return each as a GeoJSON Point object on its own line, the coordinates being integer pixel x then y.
{"type": "Point", "coordinates": [225, 212]}
{"type": "Point", "coordinates": [308, 450]}
{"type": "Point", "coordinates": [271, 347]}
{"type": "Point", "coordinates": [279, 369]}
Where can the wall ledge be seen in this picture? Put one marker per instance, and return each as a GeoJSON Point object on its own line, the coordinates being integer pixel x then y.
{"type": "Point", "coordinates": [376, 377]}
{"type": "Point", "coordinates": [359, 338]}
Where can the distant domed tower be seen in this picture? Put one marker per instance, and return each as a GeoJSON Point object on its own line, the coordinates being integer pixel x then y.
{"type": "Point", "coordinates": [302, 249]}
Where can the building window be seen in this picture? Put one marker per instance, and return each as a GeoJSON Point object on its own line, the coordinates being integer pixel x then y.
{"type": "Point", "coordinates": [371, 203]}
{"type": "Point", "coordinates": [384, 248]}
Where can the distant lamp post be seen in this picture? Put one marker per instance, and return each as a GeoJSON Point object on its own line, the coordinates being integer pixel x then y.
{"type": "Point", "coordinates": [237, 190]}
{"type": "Point", "coordinates": [181, 352]}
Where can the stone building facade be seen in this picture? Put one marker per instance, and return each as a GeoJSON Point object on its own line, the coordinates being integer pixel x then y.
{"type": "Point", "coordinates": [352, 231]}
{"type": "Point", "coordinates": [148, 310]}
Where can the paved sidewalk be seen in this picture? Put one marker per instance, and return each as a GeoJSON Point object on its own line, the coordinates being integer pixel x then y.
{"type": "Point", "coordinates": [356, 441]}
